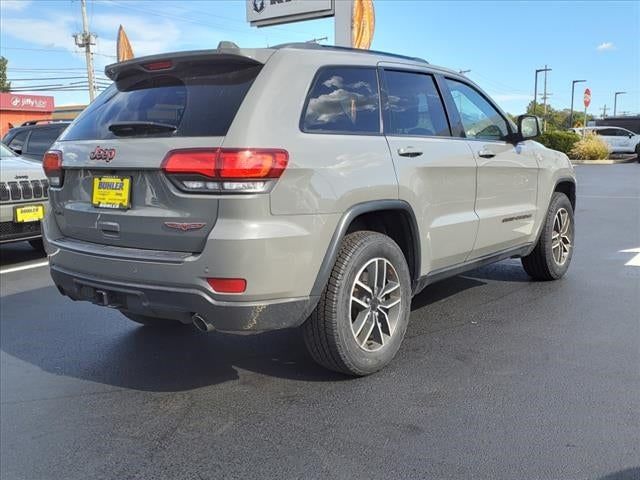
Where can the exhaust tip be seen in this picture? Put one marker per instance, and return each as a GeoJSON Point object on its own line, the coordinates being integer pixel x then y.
{"type": "Point", "coordinates": [201, 324]}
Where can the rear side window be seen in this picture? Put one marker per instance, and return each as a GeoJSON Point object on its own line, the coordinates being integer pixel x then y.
{"type": "Point", "coordinates": [192, 102]}
{"type": "Point", "coordinates": [413, 105]}
{"type": "Point", "coordinates": [17, 142]}
{"type": "Point", "coordinates": [41, 139]}
{"type": "Point", "coordinates": [343, 100]}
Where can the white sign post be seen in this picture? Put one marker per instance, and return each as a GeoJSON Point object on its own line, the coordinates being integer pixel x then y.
{"type": "Point", "coordinates": [265, 13]}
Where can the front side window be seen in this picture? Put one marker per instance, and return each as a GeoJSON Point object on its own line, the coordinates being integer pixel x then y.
{"type": "Point", "coordinates": [413, 105]}
{"type": "Point", "coordinates": [480, 119]}
{"type": "Point", "coordinates": [343, 100]}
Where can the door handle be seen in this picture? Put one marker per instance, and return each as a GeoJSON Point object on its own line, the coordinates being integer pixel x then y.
{"type": "Point", "coordinates": [486, 153]}
{"type": "Point", "coordinates": [409, 152]}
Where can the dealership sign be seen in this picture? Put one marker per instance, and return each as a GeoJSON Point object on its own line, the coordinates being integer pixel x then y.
{"type": "Point", "coordinates": [261, 13]}
{"type": "Point", "coordinates": [26, 103]}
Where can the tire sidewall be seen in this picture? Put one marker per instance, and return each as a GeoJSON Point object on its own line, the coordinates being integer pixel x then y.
{"type": "Point", "coordinates": [366, 361]}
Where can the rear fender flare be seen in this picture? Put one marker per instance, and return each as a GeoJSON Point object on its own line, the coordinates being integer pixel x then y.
{"type": "Point", "coordinates": [343, 226]}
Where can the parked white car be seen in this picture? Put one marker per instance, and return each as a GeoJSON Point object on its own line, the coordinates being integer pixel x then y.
{"type": "Point", "coordinates": [619, 140]}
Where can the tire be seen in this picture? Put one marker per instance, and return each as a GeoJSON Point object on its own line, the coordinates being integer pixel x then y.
{"type": "Point", "coordinates": [152, 321]}
{"type": "Point", "coordinates": [37, 244]}
{"type": "Point", "coordinates": [550, 260]}
{"type": "Point", "coordinates": [329, 333]}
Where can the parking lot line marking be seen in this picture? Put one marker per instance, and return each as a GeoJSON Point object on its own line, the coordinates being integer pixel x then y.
{"type": "Point", "coordinates": [635, 260]}
{"type": "Point", "coordinates": [623, 197]}
{"type": "Point", "coordinates": [24, 267]}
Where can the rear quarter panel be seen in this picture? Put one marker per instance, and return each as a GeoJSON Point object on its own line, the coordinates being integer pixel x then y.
{"type": "Point", "coordinates": [327, 173]}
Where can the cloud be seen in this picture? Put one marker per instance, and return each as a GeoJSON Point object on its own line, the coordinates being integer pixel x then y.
{"type": "Point", "coordinates": [14, 5]}
{"type": "Point", "coordinates": [603, 47]}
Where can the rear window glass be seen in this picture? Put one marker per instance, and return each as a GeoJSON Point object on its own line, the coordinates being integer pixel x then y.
{"type": "Point", "coordinates": [195, 102]}
{"type": "Point", "coordinates": [42, 138]}
{"type": "Point", "coordinates": [343, 100]}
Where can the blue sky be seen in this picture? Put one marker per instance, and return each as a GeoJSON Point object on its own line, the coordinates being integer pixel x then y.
{"type": "Point", "coordinates": [502, 43]}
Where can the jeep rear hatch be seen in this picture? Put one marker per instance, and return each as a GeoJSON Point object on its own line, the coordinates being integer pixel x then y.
{"type": "Point", "coordinates": [156, 105]}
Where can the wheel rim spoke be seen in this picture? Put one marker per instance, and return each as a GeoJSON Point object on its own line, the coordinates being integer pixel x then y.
{"type": "Point", "coordinates": [561, 236]}
{"type": "Point", "coordinates": [375, 304]}
{"type": "Point", "coordinates": [361, 319]}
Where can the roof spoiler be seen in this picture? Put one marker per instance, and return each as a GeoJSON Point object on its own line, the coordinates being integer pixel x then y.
{"type": "Point", "coordinates": [168, 61]}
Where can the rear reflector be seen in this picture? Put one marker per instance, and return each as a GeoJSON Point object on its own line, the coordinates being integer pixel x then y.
{"type": "Point", "coordinates": [52, 165]}
{"type": "Point", "coordinates": [228, 285]}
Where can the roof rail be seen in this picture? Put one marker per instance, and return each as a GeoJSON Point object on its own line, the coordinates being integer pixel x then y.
{"type": "Point", "coordinates": [42, 120]}
{"type": "Point", "coordinates": [317, 46]}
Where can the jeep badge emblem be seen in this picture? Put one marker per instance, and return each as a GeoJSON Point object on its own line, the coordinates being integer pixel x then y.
{"type": "Point", "coordinates": [106, 154]}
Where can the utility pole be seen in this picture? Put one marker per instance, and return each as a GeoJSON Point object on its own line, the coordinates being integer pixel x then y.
{"type": "Point", "coordinates": [85, 40]}
{"type": "Point", "coordinates": [604, 111]}
{"type": "Point", "coordinates": [544, 99]}
{"type": "Point", "coordinates": [615, 101]}
{"type": "Point", "coordinates": [535, 88]}
{"type": "Point", "coordinates": [573, 86]}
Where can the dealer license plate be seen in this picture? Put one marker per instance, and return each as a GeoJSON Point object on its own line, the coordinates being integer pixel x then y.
{"type": "Point", "coordinates": [28, 213]}
{"type": "Point", "coordinates": [111, 192]}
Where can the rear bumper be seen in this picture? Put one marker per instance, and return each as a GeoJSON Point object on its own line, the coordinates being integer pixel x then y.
{"type": "Point", "coordinates": [182, 303]}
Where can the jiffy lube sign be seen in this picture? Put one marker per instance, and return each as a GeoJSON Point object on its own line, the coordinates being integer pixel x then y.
{"type": "Point", "coordinates": [32, 103]}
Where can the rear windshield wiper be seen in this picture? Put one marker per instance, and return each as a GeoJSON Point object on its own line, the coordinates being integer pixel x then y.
{"type": "Point", "coordinates": [128, 129]}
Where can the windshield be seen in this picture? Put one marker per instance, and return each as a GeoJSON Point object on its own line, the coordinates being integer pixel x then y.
{"type": "Point", "coordinates": [6, 151]}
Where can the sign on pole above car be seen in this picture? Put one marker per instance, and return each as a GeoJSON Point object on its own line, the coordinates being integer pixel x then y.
{"type": "Point", "coordinates": [262, 13]}
{"type": "Point", "coordinates": [587, 98]}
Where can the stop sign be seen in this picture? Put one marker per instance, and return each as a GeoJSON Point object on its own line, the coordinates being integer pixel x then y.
{"type": "Point", "coordinates": [587, 97]}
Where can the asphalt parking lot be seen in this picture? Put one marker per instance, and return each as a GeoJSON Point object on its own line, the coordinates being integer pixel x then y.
{"type": "Point", "coordinates": [498, 378]}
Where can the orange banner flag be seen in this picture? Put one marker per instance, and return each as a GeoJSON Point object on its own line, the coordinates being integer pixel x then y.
{"type": "Point", "coordinates": [125, 52]}
{"type": "Point", "coordinates": [363, 24]}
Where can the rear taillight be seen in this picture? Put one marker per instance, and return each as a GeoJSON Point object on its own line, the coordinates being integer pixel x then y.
{"type": "Point", "coordinates": [247, 170]}
{"type": "Point", "coordinates": [52, 165]}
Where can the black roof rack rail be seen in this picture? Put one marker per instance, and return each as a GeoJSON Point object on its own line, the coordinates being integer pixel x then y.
{"type": "Point", "coordinates": [29, 123]}
{"type": "Point", "coordinates": [317, 46]}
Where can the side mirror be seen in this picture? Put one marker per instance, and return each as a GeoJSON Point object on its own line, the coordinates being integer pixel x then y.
{"type": "Point", "coordinates": [528, 127]}
{"type": "Point", "coordinates": [18, 151]}
{"type": "Point", "coordinates": [630, 135]}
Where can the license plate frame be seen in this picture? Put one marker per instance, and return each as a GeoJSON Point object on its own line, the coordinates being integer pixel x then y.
{"type": "Point", "coordinates": [105, 193]}
{"type": "Point", "coordinates": [33, 212]}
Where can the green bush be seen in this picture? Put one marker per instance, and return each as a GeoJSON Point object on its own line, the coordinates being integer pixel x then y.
{"type": "Point", "coordinates": [559, 140]}
{"type": "Point", "coordinates": [591, 147]}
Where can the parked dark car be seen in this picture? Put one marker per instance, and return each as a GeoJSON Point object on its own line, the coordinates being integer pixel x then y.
{"type": "Point", "coordinates": [32, 139]}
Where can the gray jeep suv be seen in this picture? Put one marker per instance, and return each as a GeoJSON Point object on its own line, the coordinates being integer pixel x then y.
{"type": "Point", "coordinates": [299, 185]}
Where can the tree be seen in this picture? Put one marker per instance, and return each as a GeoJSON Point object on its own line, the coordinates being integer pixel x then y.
{"type": "Point", "coordinates": [4, 85]}
{"type": "Point", "coordinates": [557, 119]}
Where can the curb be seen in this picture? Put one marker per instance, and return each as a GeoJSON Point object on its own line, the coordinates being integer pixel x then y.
{"type": "Point", "coordinates": [609, 161]}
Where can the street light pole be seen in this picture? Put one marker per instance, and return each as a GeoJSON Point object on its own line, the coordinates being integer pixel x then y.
{"type": "Point", "coordinates": [615, 101]}
{"type": "Point", "coordinates": [573, 86]}
{"type": "Point", "coordinates": [535, 88]}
